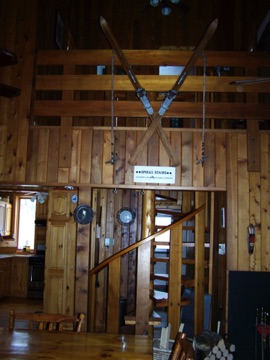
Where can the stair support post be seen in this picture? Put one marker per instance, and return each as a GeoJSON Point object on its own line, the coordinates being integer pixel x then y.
{"type": "Point", "coordinates": [143, 308]}
{"type": "Point", "coordinates": [113, 307]}
{"type": "Point", "coordinates": [175, 274]}
{"type": "Point", "coordinates": [199, 264]}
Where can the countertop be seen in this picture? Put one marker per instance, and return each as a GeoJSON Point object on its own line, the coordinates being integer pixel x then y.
{"type": "Point", "coordinates": [7, 256]}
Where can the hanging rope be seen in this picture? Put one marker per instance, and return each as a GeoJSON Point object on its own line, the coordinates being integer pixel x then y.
{"type": "Point", "coordinates": [203, 158]}
{"type": "Point", "coordinates": [114, 156]}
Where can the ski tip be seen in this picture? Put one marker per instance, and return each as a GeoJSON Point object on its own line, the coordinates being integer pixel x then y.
{"type": "Point", "coordinates": [102, 20]}
{"type": "Point", "coordinates": [215, 23]}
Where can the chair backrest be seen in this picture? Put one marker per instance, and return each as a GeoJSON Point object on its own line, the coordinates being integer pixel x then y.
{"type": "Point", "coordinates": [43, 321]}
{"type": "Point", "coordinates": [182, 349]}
{"type": "Point", "coordinates": [187, 352]}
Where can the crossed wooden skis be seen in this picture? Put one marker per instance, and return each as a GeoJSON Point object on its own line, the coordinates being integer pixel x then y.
{"type": "Point", "coordinates": [170, 96]}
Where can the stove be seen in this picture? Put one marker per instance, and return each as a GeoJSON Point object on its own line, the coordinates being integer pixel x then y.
{"type": "Point", "coordinates": [36, 274]}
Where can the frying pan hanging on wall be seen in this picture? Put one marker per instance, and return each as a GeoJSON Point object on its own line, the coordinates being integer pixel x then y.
{"type": "Point", "coordinates": [83, 214]}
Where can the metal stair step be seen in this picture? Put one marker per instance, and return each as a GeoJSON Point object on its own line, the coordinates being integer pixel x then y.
{"type": "Point", "coordinates": [160, 299]}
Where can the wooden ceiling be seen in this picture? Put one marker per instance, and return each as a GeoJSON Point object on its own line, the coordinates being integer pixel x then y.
{"type": "Point", "coordinates": [137, 25]}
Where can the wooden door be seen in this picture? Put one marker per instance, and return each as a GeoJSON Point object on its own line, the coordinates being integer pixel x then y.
{"type": "Point", "coordinates": [60, 254]}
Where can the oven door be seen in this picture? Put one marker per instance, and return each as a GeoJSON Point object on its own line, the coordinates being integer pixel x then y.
{"type": "Point", "coordinates": [35, 281]}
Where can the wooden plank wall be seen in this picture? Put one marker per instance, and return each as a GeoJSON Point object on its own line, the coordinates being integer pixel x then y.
{"type": "Point", "coordinates": [247, 203]}
{"type": "Point", "coordinates": [18, 21]}
{"type": "Point", "coordinates": [93, 168]}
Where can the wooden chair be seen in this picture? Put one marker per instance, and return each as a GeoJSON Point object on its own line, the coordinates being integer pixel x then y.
{"type": "Point", "coordinates": [182, 349]}
{"type": "Point", "coordinates": [42, 321]}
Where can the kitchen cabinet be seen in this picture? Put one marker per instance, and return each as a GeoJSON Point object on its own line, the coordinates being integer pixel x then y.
{"type": "Point", "coordinates": [60, 254]}
{"type": "Point", "coordinates": [41, 210]}
{"type": "Point", "coordinates": [19, 276]}
{"type": "Point", "coordinates": [41, 222]}
{"type": "Point", "coordinates": [5, 270]}
{"type": "Point", "coordinates": [5, 218]}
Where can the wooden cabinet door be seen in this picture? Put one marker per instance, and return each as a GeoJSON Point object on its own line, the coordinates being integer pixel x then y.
{"type": "Point", "coordinates": [60, 205]}
{"type": "Point", "coordinates": [41, 210]}
{"type": "Point", "coordinates": [19, 277]}
{"type": "Point", "coordinates": [60, 255]}
{"type": "Point", "coordinates": [5, 270]}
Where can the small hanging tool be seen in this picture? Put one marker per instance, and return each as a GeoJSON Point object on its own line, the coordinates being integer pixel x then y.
{"type": "Point", "coordinates": [251, 239]}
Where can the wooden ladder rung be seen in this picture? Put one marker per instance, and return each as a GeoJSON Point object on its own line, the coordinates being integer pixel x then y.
{"type": "Point", "coordinates": [161, 259]}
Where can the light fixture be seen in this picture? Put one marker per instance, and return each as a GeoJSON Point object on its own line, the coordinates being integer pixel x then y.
{"type": "Point", "coordinates": [165, 10]}
{"type": "Point", "coordinates": [126, 216]}
{"type": "Point", "coordinates": [40, 197]}
{"type": "Point", "coordinates": [154, 3]}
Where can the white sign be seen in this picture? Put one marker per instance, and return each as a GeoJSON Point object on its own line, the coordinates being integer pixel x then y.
{"type": "Point", "coordinates": [154, 174]}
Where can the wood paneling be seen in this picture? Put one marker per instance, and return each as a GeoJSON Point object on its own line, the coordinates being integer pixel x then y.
{"type": "Point", "coordinates": [90, 167]}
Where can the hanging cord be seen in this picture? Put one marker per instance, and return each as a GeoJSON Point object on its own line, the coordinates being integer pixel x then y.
{"type": "Point", "coordinates": [203, 158]}
{"type": "Point", "coordinates": [114, 156]}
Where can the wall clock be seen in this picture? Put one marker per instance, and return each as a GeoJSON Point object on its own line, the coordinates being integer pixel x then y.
{"type": "Point", "coordinates": [83, 214]}
{"type": "Point", "coordinates": [126, 216]}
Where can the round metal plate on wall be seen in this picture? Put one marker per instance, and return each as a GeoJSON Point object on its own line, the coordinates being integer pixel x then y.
{"type": "Point", "coordinates": [83, 214]}
{"type": "Point", "coordinates": [126, 216]}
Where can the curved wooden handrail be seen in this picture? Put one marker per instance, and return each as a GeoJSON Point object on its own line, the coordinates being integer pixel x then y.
{"type": "Point", "coordinates": [131, 247]}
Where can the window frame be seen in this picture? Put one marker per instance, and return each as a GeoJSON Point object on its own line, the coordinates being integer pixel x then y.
{"type": "Point", "coordinates": [17, 219]}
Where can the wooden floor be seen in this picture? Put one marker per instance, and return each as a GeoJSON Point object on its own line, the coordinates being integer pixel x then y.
{"type": "Point", "coordinates": [19, 304]}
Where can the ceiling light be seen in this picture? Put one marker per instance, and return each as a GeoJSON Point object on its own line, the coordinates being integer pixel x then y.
{"type": "Point", "coordinates": [166, 10]}
{"type": "Point", "coordinates": [154, 2]}
{"type": "Point", "coordinates": [40, 198]}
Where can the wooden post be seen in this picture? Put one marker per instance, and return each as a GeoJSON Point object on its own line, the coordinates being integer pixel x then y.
{"type": "Point", "coordinates": [92, 263]}
{"type": "Point", "coordinates": [143, 265]}
{"type": "Point", "coordinates": [175, 274]}
{"type": "Point", "coordinates": [199, 265]}
{"type": "Point", "coordinates": [253, 136]}
{"type": "Point", "coordinates": [113, 308]}
{"type": "Point", "coordinates": [11, 319]}
{"type": "Point", "coordinates": [65, 144]}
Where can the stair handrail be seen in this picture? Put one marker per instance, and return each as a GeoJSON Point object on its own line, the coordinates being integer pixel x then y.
{"type": "Point", "coordinates": [131, 247]}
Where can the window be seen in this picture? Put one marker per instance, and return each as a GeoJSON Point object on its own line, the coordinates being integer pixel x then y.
{"type": "Point", "coordinates": [26, 223]}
